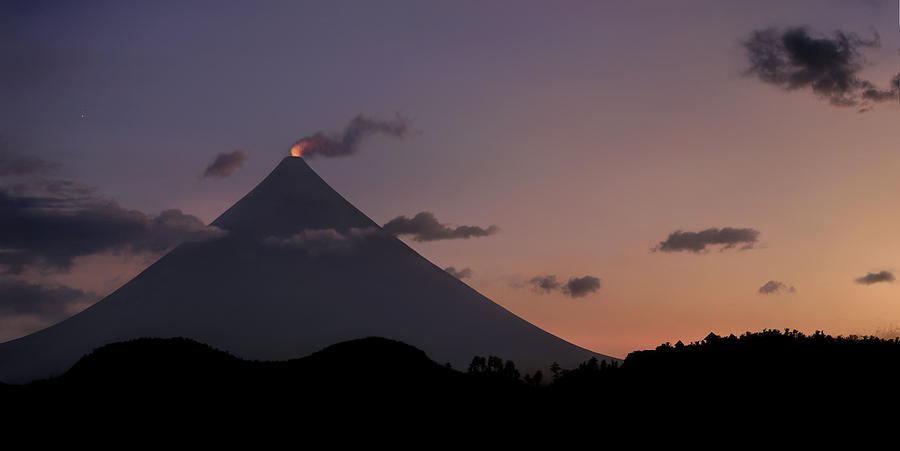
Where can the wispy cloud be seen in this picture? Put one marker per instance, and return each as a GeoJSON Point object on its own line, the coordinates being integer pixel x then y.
{"type": "Point", "coordinates": [17, 164]}
{"type": "Point", "coordinates": [318, 241]}
{"type": "Point", "coordinates": [775, 287]}
{"type": "Point", "coordinates": [544, 284]}
{"type": "Point", "coordinates": [463, 273]}
{"type": "Point", "coordinates": [827, 66]}
{"type": "Point", "coordinates": [49, 302]}
{"type": "Point", "coordinates": [424, 226]}
{"type": "Point", "coordinates": [48, 223]}
{"type": "Point", "coordinates": [575, 287]}
{"type": "Point", "coordinates": [578, 287]}
{"type": "Point", "coordinates": [875, 277]}
{"type": "Point", "coordinates": [697, 242]}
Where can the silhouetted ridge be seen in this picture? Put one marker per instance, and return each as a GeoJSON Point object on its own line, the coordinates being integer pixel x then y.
{"type": "Point", "coordinates": [770, 377]}
{"type": "Point", "coordinates": [754, 371]}
{"type": "Point", "coordinates": [172, 360]}
{"type": "Point", "coordinates": [181, 364]}
{"type": "Point", "coordinates": [374, 354]}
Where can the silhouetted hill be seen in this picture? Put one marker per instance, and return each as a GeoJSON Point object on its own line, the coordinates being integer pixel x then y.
{"type": "Point", "coordinates": [368, 376]}
{"type": "Point", "coordinates": [150, 365]}
{"type": "Point", "coordinates": [769, 376]}
{"type": "Point", "coordinates": [753, 372]}
{"type": "Point", "coordinates": [152, 361]}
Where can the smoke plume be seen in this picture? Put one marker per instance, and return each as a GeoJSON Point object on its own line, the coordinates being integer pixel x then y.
{"type": "Point", "coordinates": [348, 141]}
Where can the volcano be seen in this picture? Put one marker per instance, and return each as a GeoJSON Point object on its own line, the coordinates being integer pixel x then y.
{"type": "Point", "coordinates": [299, 269]}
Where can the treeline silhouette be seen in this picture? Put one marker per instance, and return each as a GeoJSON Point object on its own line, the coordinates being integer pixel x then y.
{"type": "Point", "coordinates": [756, 373]}
{"type": "Point", "coordinates": [755, 370]}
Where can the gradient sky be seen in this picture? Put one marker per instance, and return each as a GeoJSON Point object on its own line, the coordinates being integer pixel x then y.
{"type": "Point", "coordinates": [587, 131]}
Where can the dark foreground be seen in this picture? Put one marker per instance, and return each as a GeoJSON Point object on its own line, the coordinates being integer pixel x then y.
{"type": "Point", "coordinates": [782, 377]}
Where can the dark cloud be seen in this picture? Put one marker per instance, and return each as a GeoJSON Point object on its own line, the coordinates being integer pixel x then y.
{"type": "Point", "coordinates": [775, 287]}
{"type": "Point", "coordinates": [875, 277]}
{"type": "Point", "coordinates": [578, 287]}
{"type": "Point", "coordinates": [829, 66]}
{"type": "Point", "coordinates": [348, 142]}
{"type": "Point", "coordinates": [318, 241]}
{"type": "Point", "coordinates": [697, 241]}
{"type": "Point", "coordinates": [225, 164]}
{"type": "Point", "coordinates": [425, 227]}
{"type": "Point", "coordinates": [48, 302]}
{"type": "Point", "coordinates": [460, 274]}
{"type": "Point", "coordinates": [48, 224]}
{"type": "Point", "coordinates": [14, 164]}
{"type": "Point", "coordinates": [544, 284]}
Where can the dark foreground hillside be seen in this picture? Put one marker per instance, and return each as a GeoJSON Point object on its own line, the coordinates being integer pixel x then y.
{"type": "Point", "coordinates": [356, 381]}
{"type": "Point", "coordinates": [763, 370]}
{"type": "Point", "coordinates": [779, 376]}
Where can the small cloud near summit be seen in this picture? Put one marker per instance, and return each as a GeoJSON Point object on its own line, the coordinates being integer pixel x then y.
{"type": "Point", "coordinates": [225, 164]}
{"type": "Point", "coordinates": [424, 226]}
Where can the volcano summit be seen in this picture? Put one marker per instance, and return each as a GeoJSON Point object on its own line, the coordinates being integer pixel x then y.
{"type": "Point", "coordinates": [299, 269]}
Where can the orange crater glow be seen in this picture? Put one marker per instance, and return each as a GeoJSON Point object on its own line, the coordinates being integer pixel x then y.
{"type": "Point", "coordinates": [298, 148]}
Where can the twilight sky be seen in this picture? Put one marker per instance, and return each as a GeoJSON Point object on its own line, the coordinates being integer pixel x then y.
{"type": "Point", "coordinates": [587, 132]}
